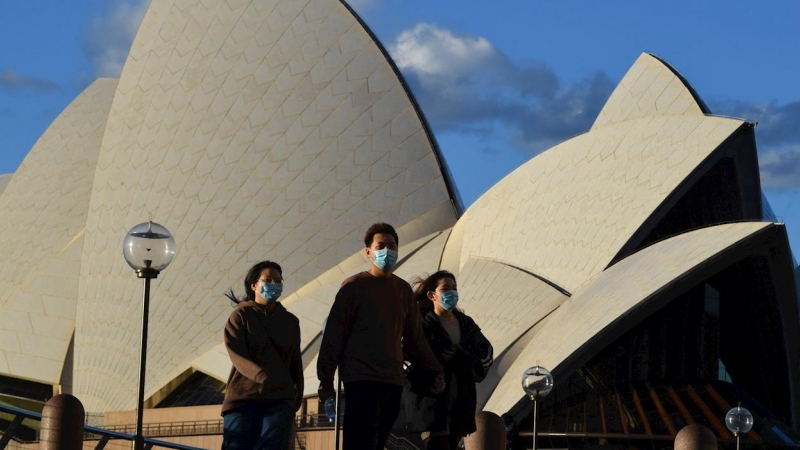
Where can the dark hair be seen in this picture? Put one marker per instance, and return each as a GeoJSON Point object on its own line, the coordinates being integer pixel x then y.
{"type": "Point", "coordinates": [380, 228]}
{"type": "Point", "coordinates": [252, 276]}
{"type": "Point", "coordinates": [423, 286]}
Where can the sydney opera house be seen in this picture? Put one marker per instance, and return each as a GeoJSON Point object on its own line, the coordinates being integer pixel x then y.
{"type": "Point", "coordinates": [638, 261]}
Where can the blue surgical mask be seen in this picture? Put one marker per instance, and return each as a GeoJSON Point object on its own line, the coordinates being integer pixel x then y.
{"type": "Point", "coordinates": [384, 259]}
{"type": "Point", "coordinates": [271, 291]}
{"type": "Point", "coordinates": [449, 300]}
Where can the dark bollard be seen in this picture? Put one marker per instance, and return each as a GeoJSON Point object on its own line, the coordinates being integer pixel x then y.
{"type": "Point", "coordinates": [490, 435]}
{"type": "Point", "coordinates": [62, 424]}
{"type": "Point", "coordinates": [695, 437]}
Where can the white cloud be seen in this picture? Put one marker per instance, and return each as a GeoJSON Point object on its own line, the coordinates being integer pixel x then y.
{"type": "Point", "coordinates": [780, 169]}
{"type": "Point", "coordinates": [777, 137]}
{"type": "Point", "coordinates": [110, 35]}
{"type": "Point", "coordinates": [429, 50]}
{"type": "Point", "coordinates": [467, 85]}
{"type": "Point", "coordinates": [10, 79]}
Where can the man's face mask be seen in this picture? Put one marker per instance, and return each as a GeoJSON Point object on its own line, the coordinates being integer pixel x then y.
{"type": "Point", "coordinates": [271, 291]}
{"type": "Point", "coordinates": [384, 259]}
{"type": "Point", "coordinates": [448, 300]}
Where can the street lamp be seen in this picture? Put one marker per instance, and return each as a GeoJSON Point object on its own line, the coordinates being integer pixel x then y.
{"type": "Point", "coordinates": [537, 383]}
{"type": "Point", "coordinates": [148, 248]}
{"type": "Point", "coordinates": [739, 421]}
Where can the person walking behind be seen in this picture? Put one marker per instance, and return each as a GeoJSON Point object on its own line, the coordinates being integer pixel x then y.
{"type": "Point", "coordinates": [265, 386]}
{"type": "Point", "coordinates": [442, 420]}
{"type": "Point", "coordinates": [371, 313]}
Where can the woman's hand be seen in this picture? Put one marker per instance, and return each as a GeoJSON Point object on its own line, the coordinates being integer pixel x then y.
{"type": "Point", "coordinates": [447, 352]}
{"type": "Point", "coordinates": [487, 360]}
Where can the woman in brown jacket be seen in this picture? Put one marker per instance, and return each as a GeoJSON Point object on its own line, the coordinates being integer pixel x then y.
{"type": "Point", "coordinates": [265, 386]}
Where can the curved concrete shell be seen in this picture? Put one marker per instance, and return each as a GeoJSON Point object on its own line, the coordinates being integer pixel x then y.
{"type": "Point", "coordinates": [622, 296]}
{"type": "Point", "coordinates": [576, 217]}
{"type": "Point", "coordinates": [44, 208]}
{"type": "Point", "coordinates": [498, 297]}
{"type": "Point", "coordinates": [4, 179]}
{"type": "Point", "coordinates": [251, 130]}
{"type": "Point", "coordinates": [578, 203]}
{"type": "Point", "coordinates": [651, 88]}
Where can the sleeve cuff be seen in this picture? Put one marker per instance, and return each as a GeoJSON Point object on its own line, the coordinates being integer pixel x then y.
{"type": "Point", "coordinates": [326, 385]}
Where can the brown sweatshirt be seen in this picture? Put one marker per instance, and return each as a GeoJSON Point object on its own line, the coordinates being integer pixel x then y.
{"type": "Point", "coordinates": [362, 335]}
{"type": "Point", "coordinates": [264, 347]}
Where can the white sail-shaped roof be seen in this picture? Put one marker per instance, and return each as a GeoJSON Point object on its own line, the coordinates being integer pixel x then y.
{"type": "Point", "coordinates": [571, 209]}
{"type": "Point", "coordinates": [603, 308]}
{"type": "Point", "coordinates": [252, 130]}
{"type": "Point", "coordinates": [43, 213]}
{"type": "Point", "coordinates": [4, 179]}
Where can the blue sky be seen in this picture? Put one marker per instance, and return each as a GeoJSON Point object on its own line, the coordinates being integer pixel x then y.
{"type": "Point", "coordinates": [499, 81]}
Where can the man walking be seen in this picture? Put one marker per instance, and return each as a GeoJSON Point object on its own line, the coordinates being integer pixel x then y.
{"type": "Point", "coordinates": [372, 311]}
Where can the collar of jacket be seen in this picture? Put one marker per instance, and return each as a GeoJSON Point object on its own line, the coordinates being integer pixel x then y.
{"type": "Point", "coordinates": [277, 309]}
{"type": "Point", "coordinates": [431, 318]}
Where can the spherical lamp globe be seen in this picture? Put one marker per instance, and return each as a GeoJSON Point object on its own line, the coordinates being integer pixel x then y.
{"type": "Point", "coordinates": [537, 382]}
{"type": "Point", "coordinates": [148, 247]}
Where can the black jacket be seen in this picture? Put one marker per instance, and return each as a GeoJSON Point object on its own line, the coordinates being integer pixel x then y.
{"type": "Point", "coordinates": [425, 412]}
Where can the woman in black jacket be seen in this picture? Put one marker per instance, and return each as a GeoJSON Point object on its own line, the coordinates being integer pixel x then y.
{"type": "Point", "coordinates": [457, 341]}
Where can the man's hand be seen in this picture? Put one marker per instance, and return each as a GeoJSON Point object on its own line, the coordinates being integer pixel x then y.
{"type": "Point", "coordinates": [325, 390]}
{"type": "Point", "coordinates": [439, 384]}
{"type": "Point", "coordinates": [298, 401]}
{"type": "Point", "coordinates": [298, 398]}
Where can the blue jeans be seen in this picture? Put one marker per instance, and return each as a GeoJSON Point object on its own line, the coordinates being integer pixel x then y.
{"type": "Point", "coordinates": [262, 426]}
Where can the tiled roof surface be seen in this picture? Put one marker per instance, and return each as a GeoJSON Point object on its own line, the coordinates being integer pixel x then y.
{"type": "Point", "coordinates": [252, 130]}
{"type": "Point", "coordinates": [44, 208]}
{"type": "Point", "coordinates": [4, 179]}
{"type": "Point", "coordinates": [566, 213]}
{"type": "Point", "coordinates": [600, 305]}
{"type": "Point", "coordinates": [649, 89]}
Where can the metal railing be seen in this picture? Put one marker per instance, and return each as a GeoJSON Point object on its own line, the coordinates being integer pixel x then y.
{"type": "Point", "coordinates": [315, 422]}
{"type": "Point", "coordinates": [185, 428]}
{"type": "Point", "coordinates": [23, 430]}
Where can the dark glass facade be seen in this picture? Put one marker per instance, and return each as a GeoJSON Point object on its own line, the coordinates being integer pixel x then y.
{"type": "Point", "coordinates": [29, 390]}
{"type": "Point", "coordinates": [197, 390]}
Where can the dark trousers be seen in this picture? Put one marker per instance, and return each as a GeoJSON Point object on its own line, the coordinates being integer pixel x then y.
{"type": "Point", "coordinates": [370, 411]}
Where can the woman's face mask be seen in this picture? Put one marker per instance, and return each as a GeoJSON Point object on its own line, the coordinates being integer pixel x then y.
{"type": "Point", "coordinates": [448, 299]}
{"type": "Point", "coordinates": [271, 291]}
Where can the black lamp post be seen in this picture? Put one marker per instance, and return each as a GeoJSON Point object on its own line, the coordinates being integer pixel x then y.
{"type": "Point", "coordinates": [537, 383]}
{"type": "Point", "coordinates": [148, 248]}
